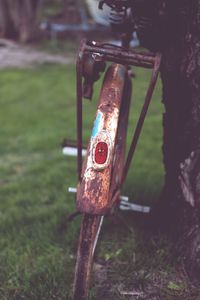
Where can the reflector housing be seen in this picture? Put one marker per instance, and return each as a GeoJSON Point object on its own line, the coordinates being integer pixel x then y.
{"type": "Point", "coordinates": [101, 153]}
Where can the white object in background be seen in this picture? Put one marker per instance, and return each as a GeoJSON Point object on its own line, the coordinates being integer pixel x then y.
{"type": "Point", "coordinates": [101, 16]}
{"type": "Point", "coordinates": [124, 203]}
{"type": "Point", "coordinates": [72, 151]}
{"type": "Point", "coordinates": [72, 190]}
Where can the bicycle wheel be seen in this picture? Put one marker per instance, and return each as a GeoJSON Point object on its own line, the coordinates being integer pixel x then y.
{"type": "Point", "coordinates": [91, 224]}
{"type": "Point", "coordinates": [89, 233]}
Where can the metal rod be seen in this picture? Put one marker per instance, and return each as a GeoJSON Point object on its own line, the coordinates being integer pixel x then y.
{"type": "Point", "coordinates": [119, 53]}
{"type": "Point", "coordinates": [79, 109]}
{"type": "Point", "coordinates": [142, 117]}
{"type": "Point", "coordinates": [126, 61]}
{"type": "Point", "coordinates": [72, 143]}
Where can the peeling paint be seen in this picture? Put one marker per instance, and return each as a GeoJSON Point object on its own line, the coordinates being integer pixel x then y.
{"type": "Point", "coordinates": [93, 195]}
{"type": "Point", "coordinates": [97, 124]}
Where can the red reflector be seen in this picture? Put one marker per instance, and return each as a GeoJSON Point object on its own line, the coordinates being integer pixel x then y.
{"type": "Point", "coordinates": [101, 153]}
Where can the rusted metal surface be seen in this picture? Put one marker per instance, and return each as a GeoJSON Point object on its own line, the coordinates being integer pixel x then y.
{"type": "Point", "coordinates": [121, 55]}
{"type": "Point", "coordinates": [120, 146]}
{"type": "Point", "coordinates": [93, 192]}
{"type": "Point", "coordinates": [90, 229]}
{"type": "Point", "coordinates": [100, 179]}
{"type": "Point", "coordinates": [93, 65]}
{"type": "Point", "coordinates": [79, 110]}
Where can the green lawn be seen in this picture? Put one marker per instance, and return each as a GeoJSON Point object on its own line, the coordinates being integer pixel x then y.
{"type": "Point", "coordinates": [37, 258]}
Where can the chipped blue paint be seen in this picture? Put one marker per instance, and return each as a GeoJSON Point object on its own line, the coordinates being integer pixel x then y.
{"type": "Point", "coordinates": [96, 128]}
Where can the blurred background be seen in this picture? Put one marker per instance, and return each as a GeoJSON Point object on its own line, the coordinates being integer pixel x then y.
{"type": "Point", "coordinates": [38, 46]}
{"type": "Point", "coordinates": [33, 21]}
{"type": "Point", "coordinates": [53, 25]}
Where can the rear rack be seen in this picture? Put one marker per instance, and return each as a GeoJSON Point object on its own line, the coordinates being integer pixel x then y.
{"type": "Point", "coordinates": [120, 55]}
{"type": "Point", "coordinates": [116, 54]}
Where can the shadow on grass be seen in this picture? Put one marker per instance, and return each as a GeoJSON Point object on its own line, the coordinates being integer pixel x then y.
{"type": "Point", "coordinates": [135, 262]}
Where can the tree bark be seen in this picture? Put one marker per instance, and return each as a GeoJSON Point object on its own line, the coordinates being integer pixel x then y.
{"type": "Point", "coordinates": [181, 121]}
{"type": "Point", "coordinates": [173, 27]}
{"type": "Point", "coordinates": [71, 11]}
{"type": "Point", "coordinates": [18, 18]}
{"type": "Point", "coordinates": [6, 22]}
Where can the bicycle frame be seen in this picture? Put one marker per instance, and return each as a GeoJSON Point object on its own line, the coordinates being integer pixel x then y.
{"type": "Point", "coordinates": [125, 58]}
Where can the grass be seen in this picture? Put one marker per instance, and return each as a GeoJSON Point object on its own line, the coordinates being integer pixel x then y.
{"type": "Point", "coordinates": [67, 47]}
{"type": "Point", "coordinates": [36, 258]}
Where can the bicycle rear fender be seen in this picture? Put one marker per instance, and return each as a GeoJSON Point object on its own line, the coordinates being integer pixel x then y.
{"type": "Point", "coordinates": [93, 193]}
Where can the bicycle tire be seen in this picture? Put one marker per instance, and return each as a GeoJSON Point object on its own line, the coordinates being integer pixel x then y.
{"type": "Point", "coordinates": [90, 228]}
{"type": "Point", "coordinates": [91, 224]}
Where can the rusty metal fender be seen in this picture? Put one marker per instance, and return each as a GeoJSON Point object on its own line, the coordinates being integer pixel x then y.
{"type": "Point", "coordinates": [93, 194]}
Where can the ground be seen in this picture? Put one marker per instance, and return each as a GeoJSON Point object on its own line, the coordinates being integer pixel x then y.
{"type": "Point", "coordinates": [13, 54]}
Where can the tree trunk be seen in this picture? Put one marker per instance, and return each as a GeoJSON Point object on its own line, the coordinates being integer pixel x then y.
{"type": "Point", "coordinates": [19, 18]}
{"type": "Point", "coordinates": [181, 97]}
{"type": "Point", "coordinates": [27, 19]}
{"type": "Point", "coordinates": [6, 22]}
{"type": "Point", "coordinates": [71, 11]}
{"type": "Point", "coordinates": [174, 29]}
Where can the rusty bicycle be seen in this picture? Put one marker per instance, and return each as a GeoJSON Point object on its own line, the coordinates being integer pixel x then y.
{"type": "Point", "coordinates": [105, 167]}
